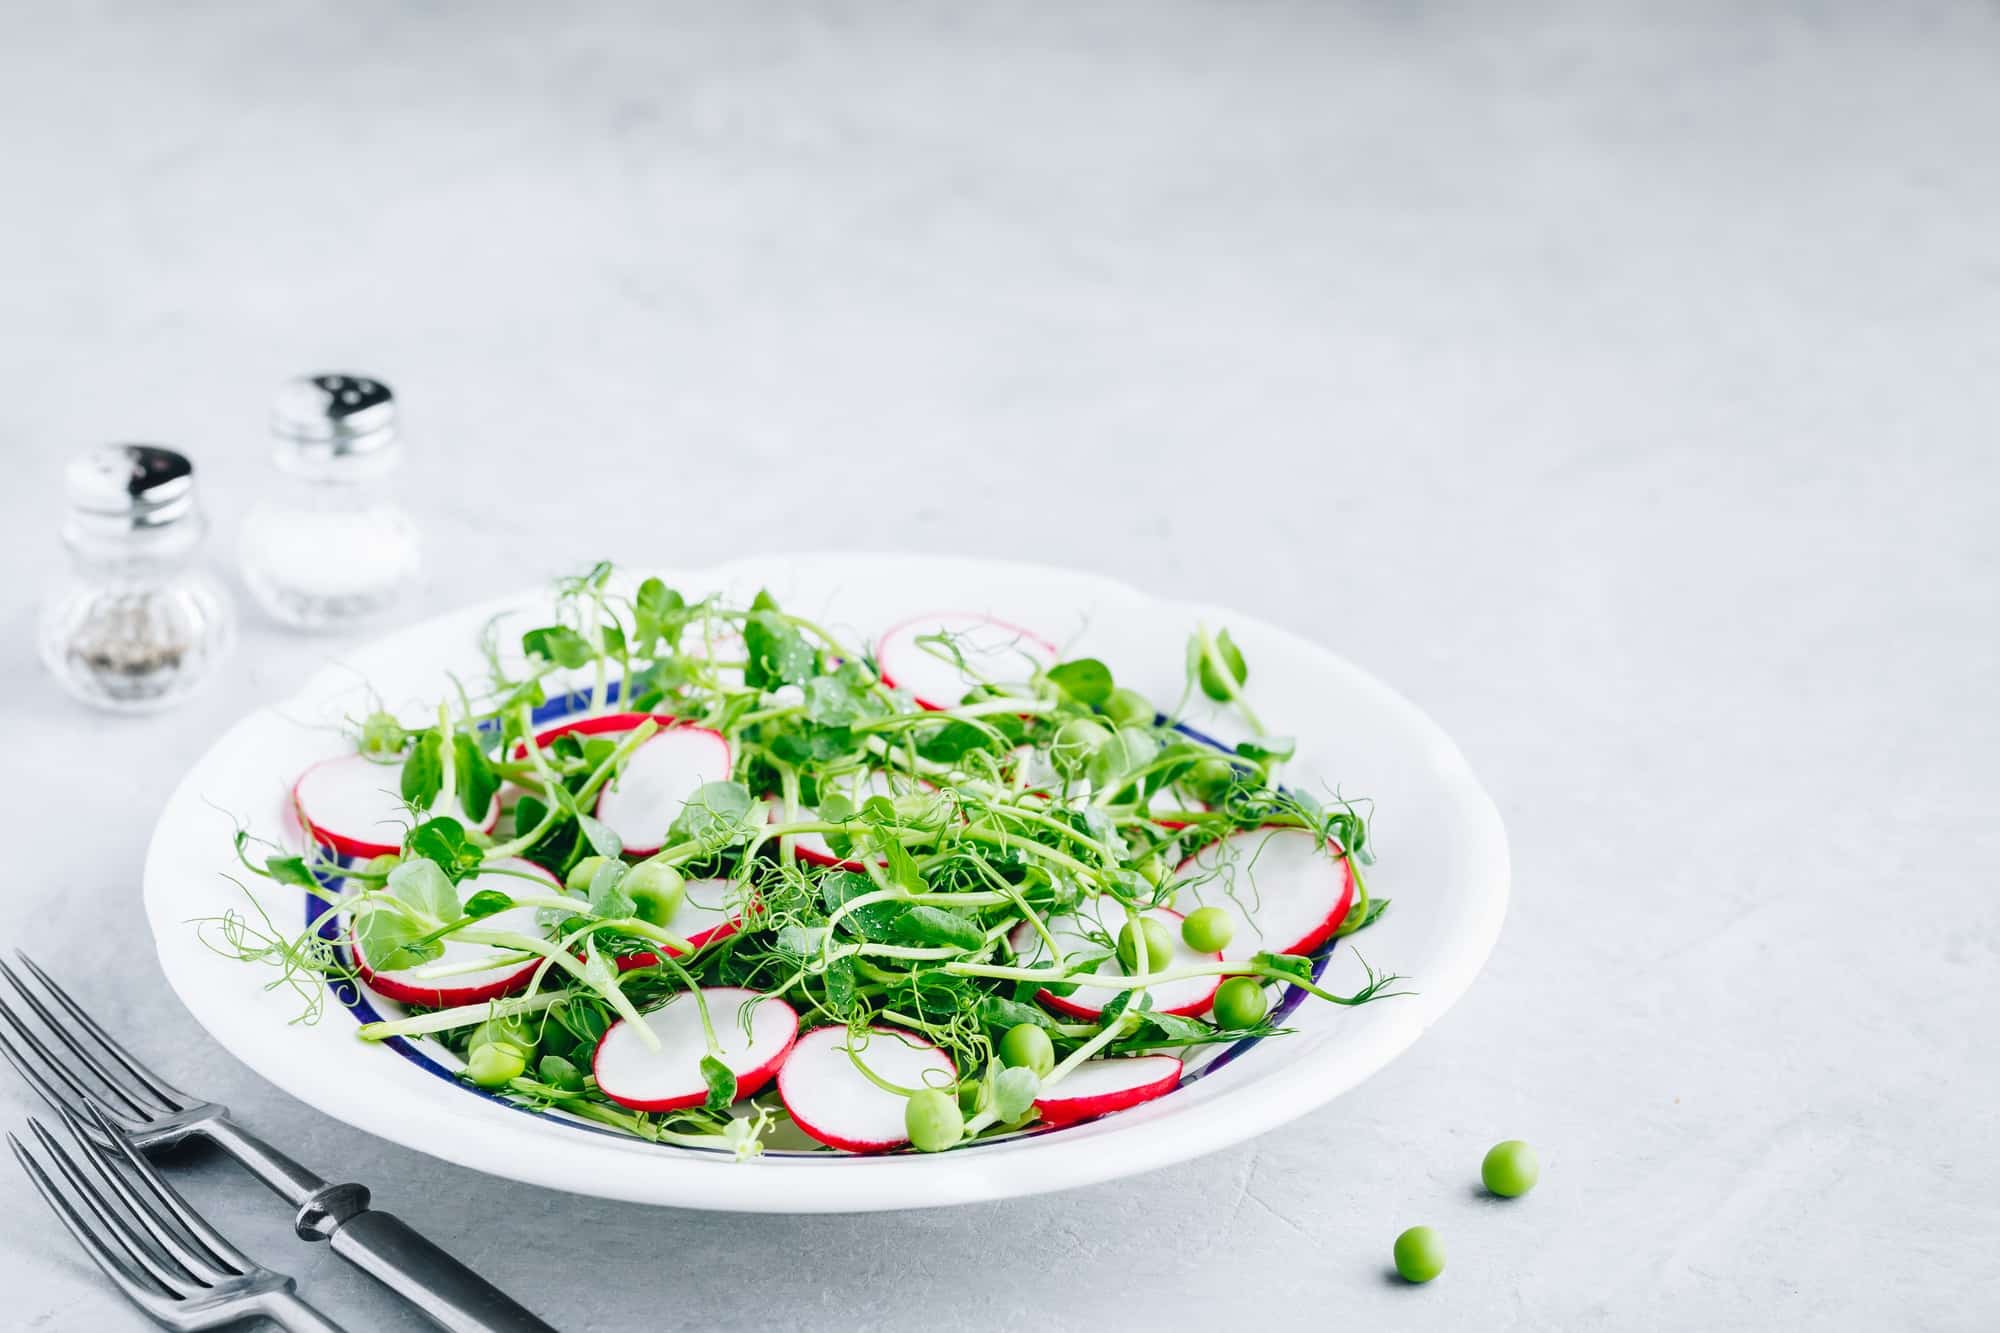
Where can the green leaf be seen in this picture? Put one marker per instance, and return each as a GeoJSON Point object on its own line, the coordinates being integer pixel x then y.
{"type": "Point", "coordinates": [840, 698]}
{"type": "Point", "coordinates": [1212, 683]}
{"type": "Point", "coordinates": [656, 615]}
{"type": "Point", "coordinates": [1175, 1028]}
{"type": "Point", "coordinates": [900, 866]}
{"type": "Point", "coordinates": [423, 884]}
{"type": "Point", "coordinates": [613, 639]}
{"type": "Point", "coordinates": [558, 644]}
{"type": "Point", "coordinates": [603, 839]}
{"type": "Point", "coordinates": [1014, 1093]}
{"type": "Point", "coordinates": [954, 740]}
{"type": "Point", "coordinates": [998, 1013]}
{"type": "Point", "coordinates": [1085, 680]}
{"type": "Point", "coordinates": [1376, 906]}
{"type": "Point", "coordinates": [558, 1072]}
{"type": "Point", "coordinates": [389, 940]}
{"type": "Point", "coordinates": [777, 653]}
{"type": "Point", "coordinates": [715, 815]}
{"type": "Point", "coordinates": [607, 897]}
{"type": "Point", "coordinates": [486, 902]}
{"type": "Point", "coordinates": [841, 987]}
{"type": "Point", "coordinates": [423, 771]}
{"type": "Point", "coordinates": [290, 870]}
{"type": "Point", "coordinates": [443, 841]}
{"type": "Point", "coordinates": [721, 1083]}
{"type": "Point", "coordinates": [809, 745]}
{"type": "Point", "coordinates": [924, 925]}
{"type": "Point", "coordinates": [1268, 749]}
{"type": "Point", "coordinates": [477, 782]}
{"type": "Point", "coordinates": [874, 922]}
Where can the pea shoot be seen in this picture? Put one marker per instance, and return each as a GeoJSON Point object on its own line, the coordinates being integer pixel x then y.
{"type": "Point", "coordinates": [891, 848]}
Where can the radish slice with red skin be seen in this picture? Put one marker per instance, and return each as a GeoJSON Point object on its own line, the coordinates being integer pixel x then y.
{"type": "Point", "coordinates": [1286, 891]}
{"type": "Point", "coordinates": [1188, 996]}
{"type": "Point", "coordinates": [1099, 1087]}
{"type": "Point", "coordinates": [406, 986]}
{"type": "Point", "coordinates": [354, 806]}
{"type": "Point", "coordinates": [643, 801]}
{"type": "Point", "coordinates": [704, 915]}
{"type": "Point", "coordinates": [837, 1104]}
{"type": "Point", "coordinates": [633, 1074]}
{"type": "Point", "coordinates": [604, 724]}
{"type": "Point", "coordinates": [991, 648]}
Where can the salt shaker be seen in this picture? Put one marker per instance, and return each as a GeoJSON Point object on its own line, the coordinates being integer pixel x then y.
{"type": "Point", "coordinates": [138, 624]}
{"type": "Point", "coordinates": [328, 546]}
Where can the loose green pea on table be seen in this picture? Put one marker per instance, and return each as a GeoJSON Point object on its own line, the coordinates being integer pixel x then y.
{"type": "Point", "coordinates": [1419, 1254]}
{"type": "Point", "coordinates": [1510, 1169]}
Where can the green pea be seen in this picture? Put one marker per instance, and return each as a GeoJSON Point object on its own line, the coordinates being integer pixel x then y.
{"type": "Point", "coordinates": [1510, 1169]}
{"type": "Point", "coordinates": [1208, 929]}
{"type": "Point", "coordinates": [933, 1120]}
{"type": "Point", "coordinates": [656, 888]}
{"type": "Point", "coordinates": [1026, 1046]}
{"type": "Point", "coordinates": [1129, 708]}
{"type": "Point", "coordinates": [1076, 740]}
{"type": "Point", "coordinates": [583, 872]}
{"type": "Point", "coordinates": [1159, 944]}
{"type": "Point", "coordinates": [1153, 867]}
{"type": "Point", "coordinates": [1239, 1003]}
{"type": "Point", "coordinates": [558, 1072]}
{"type": "Point", "coordinates": [1419, 1254]}
{"type": "Point", "coordinates": [496, 1064]}
{"type": "Point", "coordinates": [1210, 779]}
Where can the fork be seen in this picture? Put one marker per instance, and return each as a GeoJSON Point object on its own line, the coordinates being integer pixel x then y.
{"type": "Point", "coordinates": [160, 1252]}
{"type": "Point", "coordinates": [147, 1113]}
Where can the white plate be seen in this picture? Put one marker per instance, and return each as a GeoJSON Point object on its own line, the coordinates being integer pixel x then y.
{"type": "Point", "coordinates": [1442, 858]}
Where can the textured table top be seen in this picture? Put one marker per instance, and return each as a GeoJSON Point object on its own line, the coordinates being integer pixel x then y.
{"type": "Point", "coordinates": [1620, 387]}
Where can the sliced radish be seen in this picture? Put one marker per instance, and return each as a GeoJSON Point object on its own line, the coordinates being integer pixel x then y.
{"type": "Point", "coordinates": [409, 985]}
{"type": "Point", "coordinates": [1287, 891]}
{"type": "Point", "coordinates": [643, 801]}
{"type": "Point", "coordinates": [633, 1074]}
{"type": "Point", "coordinates": [837, 1104]}
{"type": "Point", "coordinates": [1099, 1087]}
{"type": "Point", "coordinates": [1102, 918]}
{"type": "Point", "coordinates": [354, 805]}
{"type": "Point", "coordinates": [992, 649]}
{"type": "Point", "coordinates": [604, 724]}
{"type": "Point", "coordinates": [704, 914]}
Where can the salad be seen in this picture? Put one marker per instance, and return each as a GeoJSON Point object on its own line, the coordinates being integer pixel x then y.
{"type": "Point", "coordinates": [710, 875]}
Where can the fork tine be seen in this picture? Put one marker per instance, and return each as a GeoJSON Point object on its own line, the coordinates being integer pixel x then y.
{"type": "Point", "coordinates": [173, 1098]}
{"type": "Point", "coordinates": [55, 1066]}
{"type": "Point", "coordinates": [205, 1267]}
{"type": "Point", "coordinates": [224, 1257]}
{"type": "Point", "coordinates": [162, 1269]}
{"type": "Point", "coordinates": [135, 1286]}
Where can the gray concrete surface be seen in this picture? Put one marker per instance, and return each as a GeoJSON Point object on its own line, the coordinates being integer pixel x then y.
{"type": "Point", "coordinates": [1619, 382]}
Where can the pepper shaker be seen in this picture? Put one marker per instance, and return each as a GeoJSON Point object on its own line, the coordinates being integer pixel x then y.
{"type": "Point", "coordinates": [328, 546]}
{"type": "Point", "coordinates": [137, 625]}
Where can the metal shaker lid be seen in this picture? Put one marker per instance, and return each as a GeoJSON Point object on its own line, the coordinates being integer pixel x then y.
{"type": "Point", "coordinates": [129, 488]}
{"type": "Point", "coordinates": [334, 416]}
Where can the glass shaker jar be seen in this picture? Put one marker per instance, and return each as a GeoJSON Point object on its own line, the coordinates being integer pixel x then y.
{"type": "Point", "coordinates": [328, 546]}
{"type": "Point", "coordinates": [137, 625]}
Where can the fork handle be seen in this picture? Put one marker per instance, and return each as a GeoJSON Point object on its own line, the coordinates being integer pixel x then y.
{"type": "Point", "coordinates": [389, 1250]}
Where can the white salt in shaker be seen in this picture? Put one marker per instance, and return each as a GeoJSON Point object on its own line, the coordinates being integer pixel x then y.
{"type": "Point", "coordinates": [329, 546]}
{"type": "Point", "coordinates": [137, 625]}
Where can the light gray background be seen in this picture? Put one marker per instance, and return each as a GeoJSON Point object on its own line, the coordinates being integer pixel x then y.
{"type": "Point", "coordinates": [1619, 383]}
